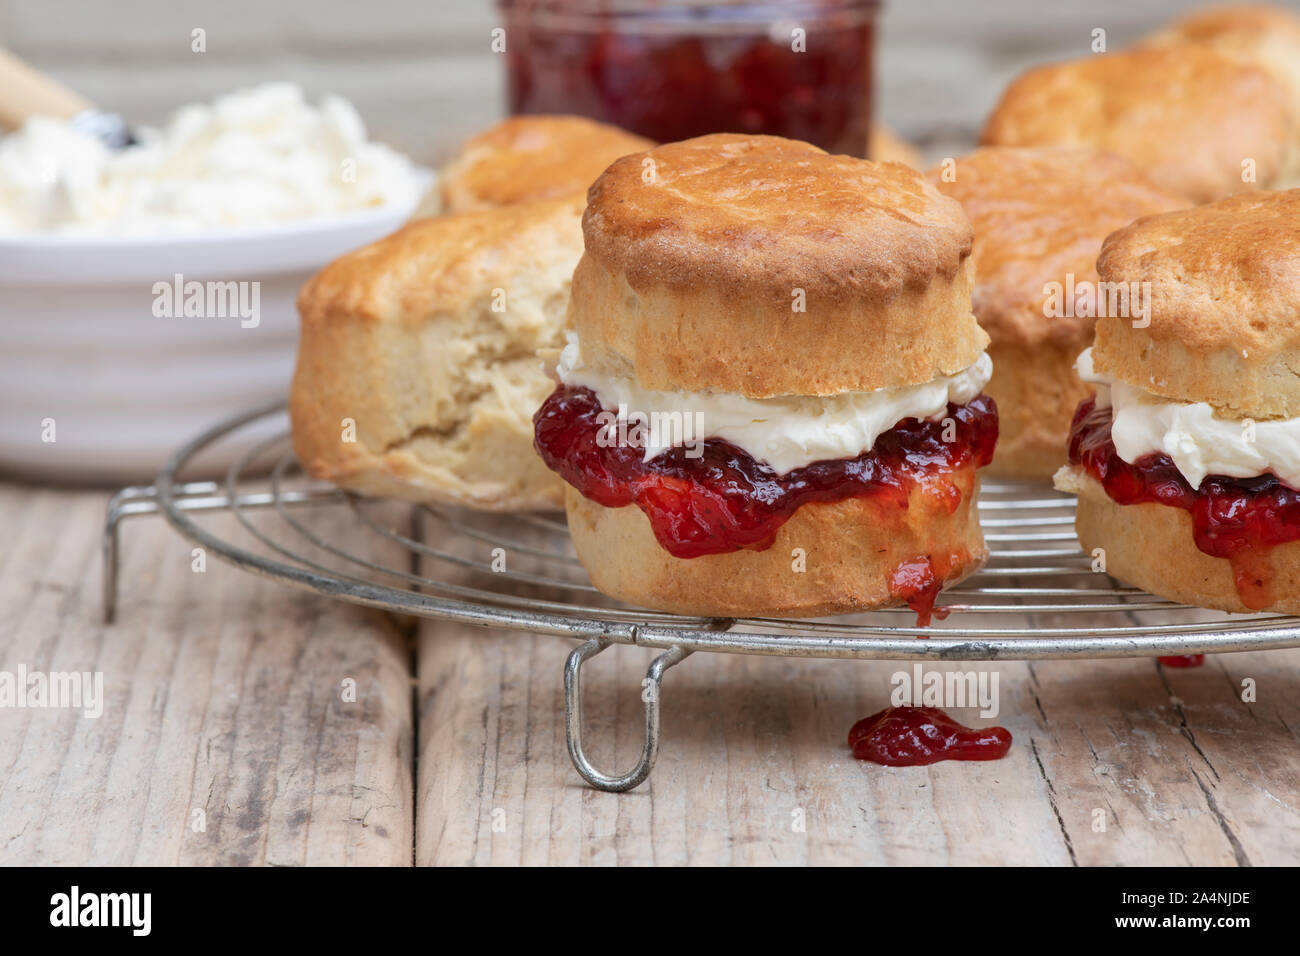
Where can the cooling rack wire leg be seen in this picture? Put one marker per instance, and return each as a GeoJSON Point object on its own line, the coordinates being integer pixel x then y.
{"type": "Point", "coordinates": [137, 499]}
{"type": "Point", "coordinates": [127, 503]}
{"type": "Point", "coordinates": [573, 715]}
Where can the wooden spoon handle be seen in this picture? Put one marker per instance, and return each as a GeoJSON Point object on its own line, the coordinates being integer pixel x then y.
{"type": "Point", "coordinates": [26, 92]}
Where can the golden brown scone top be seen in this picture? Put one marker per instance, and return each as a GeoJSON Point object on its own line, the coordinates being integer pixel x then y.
{"type": "Point", "coordinates": [532, 157]}
{"type": "Point", "coordinates": [1039, 214]}
{"type": "Point", "coordinates": [1186, 115]}
{"type": "Point", "coordinates": [442, 265]}
{"type": "Point", "coordinates": [1223, 275]}
{"type": "Point", "coordinates": [757, 216]}
{"type": "Point", "coordinates": [763, 266]}
{"type": "Point", "coordinates": [1225, 304]}
{"type": "Point", "coordinates": [1210, 23]}
{"type": "Point", "coordinates": [1257, 34]}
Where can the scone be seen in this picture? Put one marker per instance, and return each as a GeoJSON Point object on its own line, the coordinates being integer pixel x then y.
{"type": "Point", "coordinates": [1187, 464]}
{"type": "Point", "coordinates": [770, 403]}
{"type": "Point", "coordinates": [1040, 215]}
{"type": "Point", "coordinates": [524, 158]}
{"type": "Point", "coordinates": [418, 373]}
{"type": "Point", "coordinates": [1196, 121]}
{"type": "Point", "coordinates": [1256, 34]}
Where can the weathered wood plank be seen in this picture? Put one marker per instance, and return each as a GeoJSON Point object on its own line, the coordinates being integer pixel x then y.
{"type": "Point", "coordinates": [222, 693]}
{"type": "Point", "coordinates": [752, 747]}
{"type": "Point", "coordinates": [1179, 767]}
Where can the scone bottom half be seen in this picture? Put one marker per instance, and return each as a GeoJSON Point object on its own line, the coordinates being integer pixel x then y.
{"type": "Point", "coordinates": [1227, 543]}
{"type": "Point", "coordinates": [830, 469]}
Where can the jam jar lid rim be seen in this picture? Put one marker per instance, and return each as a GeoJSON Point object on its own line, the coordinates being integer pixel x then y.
{"type": "Point", "coordinates": [597, 14]}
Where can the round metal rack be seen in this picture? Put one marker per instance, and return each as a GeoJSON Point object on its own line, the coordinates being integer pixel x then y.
{"type": "Point", "coordinates": [1038, 597]}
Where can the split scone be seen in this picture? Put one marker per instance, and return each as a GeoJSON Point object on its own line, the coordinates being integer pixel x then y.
{"type": "Point", "coordinates": [1040, 215]}
{"type": "Point", "coordinates": [1197, 122]}
{"type": "Point", "coordinates": [1187, 463]}
{"type": "Point", "coordinates": [418, 374]}
{"type": "Point", "coordinates": [525, 158]}
{"type": "Point", "coordinates": [770, 403]}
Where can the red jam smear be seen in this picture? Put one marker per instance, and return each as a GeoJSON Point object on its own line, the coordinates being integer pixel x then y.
{"type": "Point", "coordinates": [918, 583]}
{"type": "Point", "coordinates": [1234, 518]}
{"type": "Point", "coordinates": [669, 76]}
{"type": "Point", "coordinates": [723, 500]}
{"type": "Point", "coordinates": [1183, 660]}
{"type": "Point", "coordinates": [917, 736]}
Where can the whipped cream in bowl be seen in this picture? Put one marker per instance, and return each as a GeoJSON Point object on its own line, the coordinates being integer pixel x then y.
{"type": "Point", "coordinates": [254, 157]}
{"type": "Point", "coordinates": [785, 432]}
{"type": "Point", "coordinates": [149, 292]}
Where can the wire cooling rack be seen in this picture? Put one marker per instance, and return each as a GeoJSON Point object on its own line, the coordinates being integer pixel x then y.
{"type": "Point", "coordinates": [1038, 597]}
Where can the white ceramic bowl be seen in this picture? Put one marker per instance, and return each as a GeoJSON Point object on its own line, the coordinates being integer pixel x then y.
{"type": "Point", "coordinates": [83, 348]}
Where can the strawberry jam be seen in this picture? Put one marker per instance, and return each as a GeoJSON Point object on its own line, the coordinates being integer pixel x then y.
{"type": "Point", "coordinates": [1234, 518]}
{"type": "Point", "coordinates": [915, 736]}
{"type": "Point", "coordinates": [716, 498]}
{"type": "Point", "coordinates": [1183, 660]}
{"type": "Point", "coordinates": [919, 581]}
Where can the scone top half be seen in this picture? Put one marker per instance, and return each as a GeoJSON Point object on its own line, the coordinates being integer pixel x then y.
{"type": "Point", "coordinates": [1223, 288]}
{"type": "Point", "coordinates": [765, 267]}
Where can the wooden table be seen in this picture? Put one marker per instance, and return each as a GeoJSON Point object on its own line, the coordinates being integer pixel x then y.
{"type": "Point", "coordinates": [228, 736]}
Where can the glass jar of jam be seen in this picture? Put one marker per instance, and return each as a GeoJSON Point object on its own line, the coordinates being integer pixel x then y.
{"type": "Point", "coordinates": [674, 69]}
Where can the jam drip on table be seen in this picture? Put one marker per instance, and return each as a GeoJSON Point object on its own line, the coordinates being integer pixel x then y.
{"type": "Point", "coordinates": [723, 500]}
{"type": "Point", "coordinates": [915, 736]}
{"type": "Point", "coordinates": [1234, 518]}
